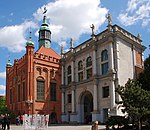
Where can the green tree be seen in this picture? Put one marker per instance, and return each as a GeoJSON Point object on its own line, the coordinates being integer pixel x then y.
{"type": "Point", "coordinates": [135, 100]}
{"type": "Point", "coordinates": [2, 103]}
{"type": "Point", "coordinates": [144, 77]}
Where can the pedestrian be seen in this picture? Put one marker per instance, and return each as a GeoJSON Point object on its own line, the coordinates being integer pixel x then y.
{"type": "Point", "coordinates": [2, 121]}
{"type": "Point", "coordinates": [7, 121]}
{"type": "Point", "coordinates": [17, 120]}
{"type": "Point", "coordinates": [21, 119]}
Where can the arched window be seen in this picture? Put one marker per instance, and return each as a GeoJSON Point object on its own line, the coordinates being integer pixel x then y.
{"type": "Point", "coordinates": [69, 74]}
{"type": "Point", "coordinates": [88, 61]}
{"type": "Point", "coordinates": [40, 89]}
{"type": "Point", "coordinates": [104, 55]}
{"type": "Point", "coordinates": [80, 65]}
{"type": "Point", "coordinates": [53, 91]}
{"type": "Point", "coordinates": [80, 71]}
{"type": "Point", "coordinates": [89, 67]}
{"type": "Point", "coordinates": [18, 92]}
{"type": "Point", "coordinates": [69, 69]}
{"type": "Point", "coordinates": [104, 61]}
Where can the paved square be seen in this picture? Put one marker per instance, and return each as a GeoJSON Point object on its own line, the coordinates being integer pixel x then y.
{"type": "Point", "coordinates": [62, 127]}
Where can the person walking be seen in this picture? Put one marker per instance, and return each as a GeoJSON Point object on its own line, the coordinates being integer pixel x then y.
{"type": "Point", "coordinates": [4, 128]}
{"type": "Point", "coordinates": [8, 121]}
{"type": "Point", "coordinates": [21, 119]}
{"type": "Point", "coordinates": [17, 120]}
{"type": "Point", "coordinates": [2, 121]}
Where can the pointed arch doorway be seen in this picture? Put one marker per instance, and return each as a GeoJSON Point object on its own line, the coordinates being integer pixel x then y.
{"type": "Point", "coordinates": [86, 107]}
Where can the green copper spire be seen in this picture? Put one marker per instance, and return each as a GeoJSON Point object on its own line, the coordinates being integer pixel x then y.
{"type": "Point", "coordinates": [29, 42]}
{"type": "Point", "coordinates": [44, 33]}
{"type": "Point", "coordinates": [8, 63]}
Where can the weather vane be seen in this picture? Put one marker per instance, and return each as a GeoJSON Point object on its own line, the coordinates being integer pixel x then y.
{"type": "Point", "coordinates": [45, 10]}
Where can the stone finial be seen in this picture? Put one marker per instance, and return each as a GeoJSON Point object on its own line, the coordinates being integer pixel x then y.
{"type": "Point", "coordinates": [109, 18]}
{"type": "Point", "coordinates": [62, 49]}
{"type": "Point", "coordinates": [93, 28]}
{"type": "Point", "coordinates": [93, 31]}
{"type": "Point", "coordinates": [71, 43]}
{"type": "Point", "coordinates": [139, 36]}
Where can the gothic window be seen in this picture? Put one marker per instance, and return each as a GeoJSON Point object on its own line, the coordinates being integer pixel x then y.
{"type": "Point", "coordinates": [89, 67]}
{"type": "Point", "coordinates": [10, 97]}
{"type": "Point", "coordinates": [40, 89]}
{"type": "Point", "coordinates": [53, 91]}
{"type": "Point", "coordinates": [105, 92]}
{"type": "Point", "coordinates": [24, 91]}
{"type": "Point", "coordinates": [18, 92]}
{"type": "Point", "coordinates": [69, 74]}
{"type": "Point", "coordinates": [69, 98]}
{"type": "Point", "coordinates": [104, 61]}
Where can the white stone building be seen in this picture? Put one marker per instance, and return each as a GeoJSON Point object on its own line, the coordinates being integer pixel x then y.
{"type": "Point", "coordinates": [92, 71]}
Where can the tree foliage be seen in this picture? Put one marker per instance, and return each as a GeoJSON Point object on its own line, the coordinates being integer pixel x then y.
{"type": "Point", "coordinates": [135, 100]}
{"type": "Point", "coordinates": [2, 103]}
{"type": "Point", "coordinates": [144, 77]}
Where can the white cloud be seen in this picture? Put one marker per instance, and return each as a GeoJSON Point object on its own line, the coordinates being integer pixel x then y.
{"type": "Point", "coordinates": [71, 18]}
{"type": "Point", "coordinates": [3, 75]}
{"type": "Point", "coordinates": [2, 89]}
{"type": "Point", "coordinates": [137, 10]}
{"type": "Point", "coordinates": [11, 14]}
{"type": "Point", "coordinates": [13, 37]}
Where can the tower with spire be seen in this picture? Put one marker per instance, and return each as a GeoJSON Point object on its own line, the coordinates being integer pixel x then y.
{"type": "Point", "coordinates": [44, 34]}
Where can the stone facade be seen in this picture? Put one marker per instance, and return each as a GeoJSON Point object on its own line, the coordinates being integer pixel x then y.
{"type": "Point", "coordinates": [92, 71]}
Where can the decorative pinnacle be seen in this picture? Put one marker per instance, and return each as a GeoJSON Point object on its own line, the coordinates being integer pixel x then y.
{"type": "Point", "coordinates": [93, 34]}
{"type": "Point", "coordinates": [139, 36]}
{"type": "Point", "coordinates": [109, 18]}
{"type": "Point", "coordinates": [92, 27]}
{"type": "Point", "coordinates": [71, 43]}
{"type": "Point", "coordinates": [30, 37]}
{"type": "Point", "coordinates": [62, 49]}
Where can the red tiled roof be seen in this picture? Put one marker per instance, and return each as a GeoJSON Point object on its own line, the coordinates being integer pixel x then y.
{"type": "Point", "coordinates": [48, 52]}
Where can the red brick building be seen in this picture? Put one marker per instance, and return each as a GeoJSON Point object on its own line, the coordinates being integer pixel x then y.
{"type": "Point", "coordinates": [33, 82]}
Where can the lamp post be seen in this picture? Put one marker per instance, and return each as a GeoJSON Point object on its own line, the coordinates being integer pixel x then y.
{"type": "Point", "coordinates": [29, 104]}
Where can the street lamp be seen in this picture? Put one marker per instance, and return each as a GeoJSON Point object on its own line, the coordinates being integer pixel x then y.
{"type": "Point", "coordinates": [30, 103]}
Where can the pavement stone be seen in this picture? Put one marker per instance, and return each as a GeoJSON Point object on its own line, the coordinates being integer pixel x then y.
{"type": "Point", "coordinates": [61, 127]}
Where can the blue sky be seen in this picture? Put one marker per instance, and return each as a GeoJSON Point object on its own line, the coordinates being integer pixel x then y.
{"type": "Point", "coordinates": [67, 19]}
